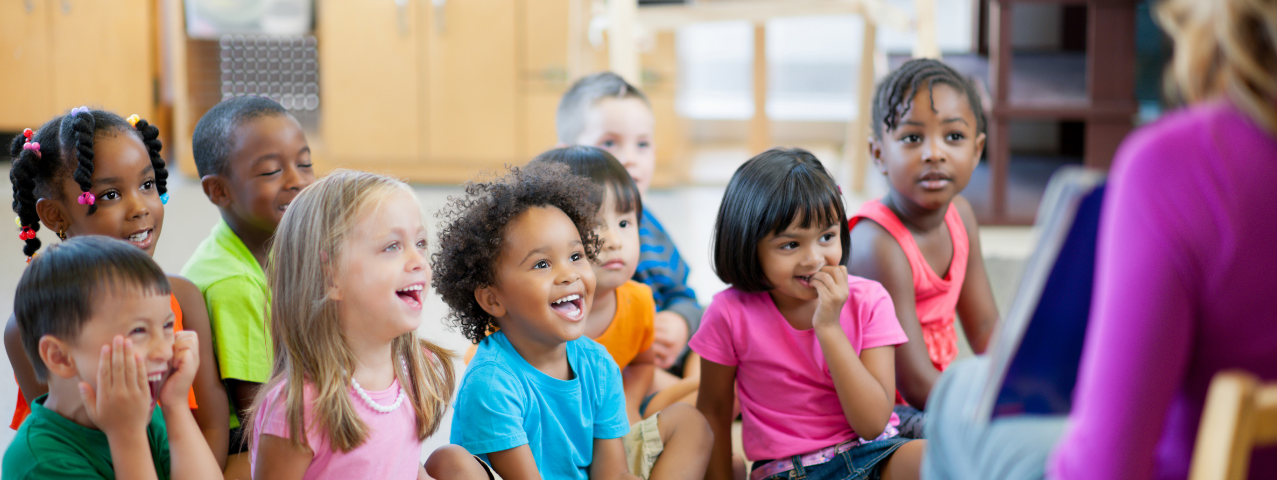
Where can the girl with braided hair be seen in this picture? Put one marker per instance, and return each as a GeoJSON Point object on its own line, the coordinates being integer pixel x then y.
{"type": "Point", "coordinates": [921, 240]}
{"type": "Point", "coordinates": [91, 172]}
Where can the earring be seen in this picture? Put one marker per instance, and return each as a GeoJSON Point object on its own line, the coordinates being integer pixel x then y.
{"type": "Point", "coordinates": [62, 234]}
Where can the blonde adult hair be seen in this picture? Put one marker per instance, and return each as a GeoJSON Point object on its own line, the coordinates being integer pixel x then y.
{"type": "Point", "coordinates": [309, 344]}
{"type": "Point", "coordinates": [1224, 48]}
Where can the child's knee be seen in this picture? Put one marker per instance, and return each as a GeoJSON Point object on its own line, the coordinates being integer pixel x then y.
{"type": "Point", "coordinates": [686, 423]}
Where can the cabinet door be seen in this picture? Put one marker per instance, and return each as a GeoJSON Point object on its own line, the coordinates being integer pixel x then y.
{"type": "Point", "coordinates": [471, 101]}
{"type": "Point", "coordinates": [103, 55]}
{"type": "Point", "coordinates": [368, 80]}
{"type": "Point", "coordinates": [543, 49]}
{"type": "Point", "coordinates": [24, 50]}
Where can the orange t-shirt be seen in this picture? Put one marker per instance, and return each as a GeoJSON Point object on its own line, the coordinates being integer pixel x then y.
{"type": "Point", "coordinates": [24, 409]}
{"type": "Point", "coordinates": [633, 326]}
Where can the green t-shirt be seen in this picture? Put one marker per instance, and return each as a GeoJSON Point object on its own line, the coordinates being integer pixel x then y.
{"type": "Point", "coordinates": [49, 445]}
{"type": "Point", "coordinates": [234, 288]}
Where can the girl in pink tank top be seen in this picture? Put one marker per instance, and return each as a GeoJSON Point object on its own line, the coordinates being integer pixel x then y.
{"type": "Point", "coordinates": [929, 130]}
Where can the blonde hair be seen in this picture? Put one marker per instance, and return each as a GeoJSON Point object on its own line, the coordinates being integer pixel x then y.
{"type": "Point", "coordinates": [306, 332]}
{"type": "Point", "coordinates": [1224, 48]}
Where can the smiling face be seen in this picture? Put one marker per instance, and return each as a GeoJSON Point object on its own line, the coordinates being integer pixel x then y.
{"type": "Point", "coordinates": [619, 246]}
{"type": "Point", "coordinates": [143, 317]}
{"type": "Point", "coordinates": [929, 157]}
{"type": "Point", "coordinates": [791, 257]}
{"type": "Point", "coordinates": [268, 166]}
{"type": "Point", "coordinates": [384, 272]}
{"type": "Point", "coordinates": [128, 205]}
{"type": "Point", "coordinates": [624, 127]}
{"type": "Point", "coordinates": [544, 281]}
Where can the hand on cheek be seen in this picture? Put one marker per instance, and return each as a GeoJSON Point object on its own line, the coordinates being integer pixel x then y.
{"type": "Point", "coordinates": [122, 401]}
{"type": "Point", "coordinates": [186, 360]}
{"type": "Point", "coordinates": [831, 294]}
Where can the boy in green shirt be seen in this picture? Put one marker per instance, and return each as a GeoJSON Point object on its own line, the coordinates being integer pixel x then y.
{"type": "Point", "coordinates": [253, 159]}
{"type": "Point", "coordinates": [96, 323]}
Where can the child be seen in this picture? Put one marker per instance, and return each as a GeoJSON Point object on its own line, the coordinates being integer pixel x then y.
{"type": "Point", "coordinates": [809, 347]}
{"type": "Point", "coordinates": [604, 111]}
{"type": "Point", "coordinates": [91, 172]}
{"type": "Point", "coordinates": [921, 240]}
{"type": "Point", "coordinates": [96, 324]}
{"type": "Point", "coordinates": [252, 159]}
{"type": "Point", "coordinates": [354, 391]}
{"type": "Point", "coordinates": [621, 317]}
{"type": "Point", "coordinates": [540, 400]}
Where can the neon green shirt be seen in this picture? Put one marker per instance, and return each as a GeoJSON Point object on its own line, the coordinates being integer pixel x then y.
{"type": "Point", "coordinates": [49, 445]}
{"type": "Point", "coordinates": [234, 288]}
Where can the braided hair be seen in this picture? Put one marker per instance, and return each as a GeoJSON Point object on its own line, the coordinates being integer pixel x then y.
{"type": "Point", "coordinates": [66, 151]}
{"type": "Point", "coordinates": [894, 95]}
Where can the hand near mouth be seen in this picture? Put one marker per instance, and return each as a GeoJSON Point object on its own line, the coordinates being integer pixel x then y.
{"type": "Point", "coordinates": [181, 374]}
{"type": "Point", "coordinates": [831, 294]}
{"type": "Point", "coordinates": [121, 405]}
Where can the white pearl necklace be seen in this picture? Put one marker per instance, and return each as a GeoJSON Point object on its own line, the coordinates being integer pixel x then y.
{"type": "Point", "coordinates": [372, 403]}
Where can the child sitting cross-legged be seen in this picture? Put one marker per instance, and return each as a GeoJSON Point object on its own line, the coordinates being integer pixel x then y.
{"type": "Point", "coordinates": [96, 322]}
{"type": "Point", "coordinates": [539, 399]}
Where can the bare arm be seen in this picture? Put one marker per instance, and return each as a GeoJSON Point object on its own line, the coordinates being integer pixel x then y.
{"type": "Point", "coordinates": [866, 385]}
{"type": "Point", "coordinates": [515, 464]}
{"type": "Point", "coordinates": [977, 309]}
{"type": "Point", "coordinates": [286, 461]}
{"type": "Point", "coordinates": [22, 370]}
{"type": "Point", "coordinates": [243, 393]}
{"type": "Point", "coordinates": [212, 416]}
{"type": "Point", "coordinates": [637, 379]}
{"type": "Point", "coordinates": [609, 461]}
{"type": "Point", "coordinates": [189, 453]}
{"type": "Point", "coordinates": [717, 392]}
{"type": "Point", "coordinates": [876, 255]}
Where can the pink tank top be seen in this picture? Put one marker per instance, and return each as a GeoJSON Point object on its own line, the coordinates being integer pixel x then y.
{"type": "Point", "coordinates": [936, 298]}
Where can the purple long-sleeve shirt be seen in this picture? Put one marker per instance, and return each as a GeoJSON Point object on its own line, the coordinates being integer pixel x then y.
{"type": "Point", "coordinates": [1186, 282]}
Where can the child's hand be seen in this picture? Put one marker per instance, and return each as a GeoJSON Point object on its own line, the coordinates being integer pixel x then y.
{"type": "Point", "coordinates": [186, 360]}
{"type": "Point", "coordinates": [122, 402]}
{"type": "Point", "coordinates": [831, 290]}
{"type": "Point", "coordinates": [670, 339]}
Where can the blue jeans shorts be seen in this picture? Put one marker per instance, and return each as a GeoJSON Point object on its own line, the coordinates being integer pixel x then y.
{"type": "Point", "coordinates": [863, 462]}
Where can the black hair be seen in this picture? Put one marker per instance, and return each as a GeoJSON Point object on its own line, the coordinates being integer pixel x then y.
{"type": "Point", "coordinates": [569, 120]}
{"type": "Point", "coordinates": [215, 132]}
{"type": "Point", "coordinates": [764, 197]}
{"type": "Point", "coordinates": [66, 150]}
{"type": "Point", "coordinates": [604, 170]}
{"type": "Point", "coordinates": [57, 292]}
{"type": "Point", "coordinates": [471, 239]}
{"type": "Point", "coordinates": [894, 96]}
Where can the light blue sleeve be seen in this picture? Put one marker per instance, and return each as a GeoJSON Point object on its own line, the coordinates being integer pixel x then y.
{"type": "Point", "coordinates": [610, 420]}
{"type": "Point", "coordinates": [489, 411]}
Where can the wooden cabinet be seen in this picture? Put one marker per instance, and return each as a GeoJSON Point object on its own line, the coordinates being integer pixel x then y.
{"type": "Point", "coordinates": [436, 91]}
{"type": "Point", "coordinates": [60, 54]}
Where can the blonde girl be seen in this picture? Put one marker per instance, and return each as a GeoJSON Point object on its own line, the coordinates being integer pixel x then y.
{"type": "Point", "coordinates": [354, 391]}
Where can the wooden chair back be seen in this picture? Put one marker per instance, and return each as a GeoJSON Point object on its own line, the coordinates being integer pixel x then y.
{"type": "Point", "coordinates": [1240, 415]}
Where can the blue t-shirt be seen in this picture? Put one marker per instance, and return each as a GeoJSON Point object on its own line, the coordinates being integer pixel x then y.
{"type": "Point", "coordinates": [504, 402]}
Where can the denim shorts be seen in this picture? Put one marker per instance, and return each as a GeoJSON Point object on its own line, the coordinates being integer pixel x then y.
{"type": "Point", "coordinates": [863, 462]}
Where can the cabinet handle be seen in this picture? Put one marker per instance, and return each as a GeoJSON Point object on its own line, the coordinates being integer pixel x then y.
{"type": "Point", "coordinates": [440, 22]}
{"type": "Point", "coordinates": [66, 7]}
{"type": "Point", "coordinates": [30, 6]}
{"type": "Point", "coordinates": [401, 8]}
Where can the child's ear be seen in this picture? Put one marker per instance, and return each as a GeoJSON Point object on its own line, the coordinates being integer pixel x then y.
{"type": "Point", "coordinates": [216, 189]}
{"type": "Point", "coordinates": [489, 301]}
{"type": "Point", "coordinates": [875, 153]}
{"type": "Point", "coordinates": [56, 356]}
{"type": "Point", "coordinates": [53, 214]}
{"type": "Point", "coordinates": [979, 145]}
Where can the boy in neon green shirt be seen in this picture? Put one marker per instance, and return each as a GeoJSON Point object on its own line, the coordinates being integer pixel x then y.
{"type": "Point", "coordinates": [253, 159]}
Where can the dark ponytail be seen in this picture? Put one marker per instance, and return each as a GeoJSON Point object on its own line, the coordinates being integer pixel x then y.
{"type": "Point", "coordinates": [151, 138]}
{"type": "Point", "coordinates": [22, 176]}
{"type": "Point", "coordinates": [77, 137]}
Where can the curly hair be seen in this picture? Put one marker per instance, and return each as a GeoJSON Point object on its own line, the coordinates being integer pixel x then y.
{"type": "Point", "coordinates": [470, 241]}
{"type": "Point", "coordinates": [894, 96]}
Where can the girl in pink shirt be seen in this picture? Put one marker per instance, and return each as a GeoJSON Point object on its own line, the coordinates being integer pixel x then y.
{"type": "Point", "coordinates": [809, 348]}
{"type": "Point", "coordinates": [354, 391]}
{"type": "Point", "coordinates": [921, 240]}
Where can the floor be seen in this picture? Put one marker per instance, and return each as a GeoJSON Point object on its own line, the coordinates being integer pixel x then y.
{"type": "Point", "coordinates": [189, 217]}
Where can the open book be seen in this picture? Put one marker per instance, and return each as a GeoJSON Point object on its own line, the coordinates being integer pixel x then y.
{"type": "Point", "coordinates": [1036, 351]}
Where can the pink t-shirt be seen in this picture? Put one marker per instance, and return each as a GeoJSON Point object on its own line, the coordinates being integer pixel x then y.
{"type": "Point", "coordinates": [786, 392]}
{"type": "Point", "coordinates": [391, 450]}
